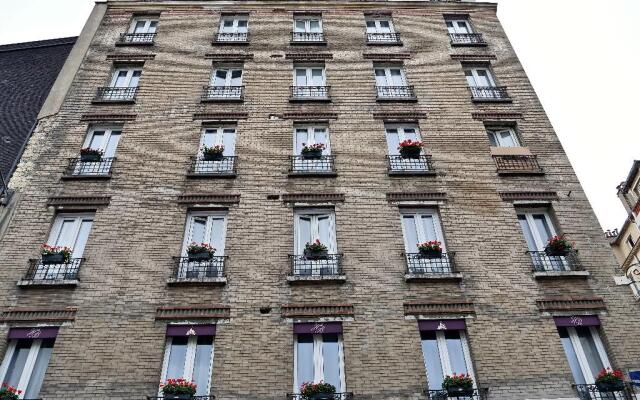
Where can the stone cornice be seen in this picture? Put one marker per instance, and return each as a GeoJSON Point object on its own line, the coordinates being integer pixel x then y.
{"type": "Point", "coordinates": [316, 116]}
{"type": "Point", "coordinates": [89, 201]}
{"type": "Point", "coordinates": [399, 115]}
{"type": "Point", "coordinates": [193, 312]}
{"type": "Point", "coordinates": [221, 116]}
{"type": "Point", "coordinates": [551, 304]}
{"type": "Point", "coordinates": [482, 116]}
{"type": "Point", "coordinates": [317, 310]}
{"type": "Point", "coordinates": [473, 57]}
{"type": "Point", "coordinates": [229, 56]}
{"type": "Point", "coordinates": [208, 198]}
{"type": "Point", "coordinates": [386, 56]}
{"type": "Point", "coordinates": [416, 196]}
{"type": "Point", "coordinates": [38, 314]}
{"type": "Point", "coordinates": [130, 57]}
{"type": "Point", "coordinates": [313, 197]}
{"type": "Point", "coordinates": [444, 306]}
{"type": "Point", "coordinates": [518, 196]}
{"type": "Point", "coordinates": [308, 56]}
{"type": "Point", "coordinates": [107, 117]}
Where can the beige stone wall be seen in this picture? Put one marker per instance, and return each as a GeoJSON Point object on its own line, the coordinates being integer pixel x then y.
{"type": "Point", "coordinates": [115, 346]}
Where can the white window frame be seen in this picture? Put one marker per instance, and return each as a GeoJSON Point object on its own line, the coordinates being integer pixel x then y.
{"type": "Point", "coordinates": [130, 71]}
{"type": "Point", "coordinates": [108, 131]}
{"type": "Point", "coordinates": [445, 360]}
{"type": "Point", "coordinates": [147, 25]}
{"type": "Point", "coordinates": [528, 213]}
{"type": "Point", "coordinates": [417, 214]}
{"type": "Point", "coordinates": [229, 69]}
{"type": "Point", "coordinates": [309, 75]}
{"type": "Point", "coordinates": [318, 361]}
{"type": "Point", "coordinates": [314, 213]}
{"type": "Point", "coordinates": [580, 354]}
{"type": "Point", "coordinates": [57, 227]}
{"type": "Point", "coordinates": [494, 131]}
{"type": "Point", "coordinates": [311, 137]}
{"type": "Point", "coordinates": [219, 138]}
{"type": "Point", "coordinates": [29, 364]}
{"type": "Point", "coordinates": [455, 29]}
{"type": "Point", "coordinates": [387, 74]}
{"type": "Point", "coordinates": [401, 135]}
{"type": "Point", "coordinates": [307, 24]}
{"type": "Point", "coordinates": [378, 28]}
{"type": "Point", "coordinates": [188, 230]}
{"type": "Point", "coordinates": [234, 28]}
{"type": "Point", "coordinates": [476, 77]}
{"type": "Point", "coordinates": [189, 362]}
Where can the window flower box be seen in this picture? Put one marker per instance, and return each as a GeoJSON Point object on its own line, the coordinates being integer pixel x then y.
{"type": "Point", "coordinates": [317, 391]}
{"type": "Point", "coordinates": [312, 151]}
{"type": "Point", "coordinates": [609, 380]}
{"type": "Point", "coordinates": [55, 254]}
{"type": "Point", "coordinates": [431, 249]}
{"type": "Point", "coordinates": [214, 153]}
{"type": "Point", "coordinates": [458, 385]}
{"type": "Point", "coordinates": [178, 389]}
{"type": "Point", "coordinates": [90, 155]}
{"type": "Point", "coordinates": [316, 251]}
{"type": "Point", "coordinates": [410, 148]}
{"type": "Point", "coordinates": [9, 392]}
{"type": "Point", "coordinates": [200, 252]}
{"type": "Point", "coordinates": [558, 246]}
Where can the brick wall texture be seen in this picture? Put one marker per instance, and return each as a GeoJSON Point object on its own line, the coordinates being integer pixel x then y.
{"type": "Point", "coordinates": [115, 346]}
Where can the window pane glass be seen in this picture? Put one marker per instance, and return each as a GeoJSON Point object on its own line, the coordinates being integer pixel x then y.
{"type": "Point", "coordinates": [236, 77]}
{"type": "Point", "coordinates": [220, 78]}
{"type": "Point", "coordinates": [139, 27]}
{"type": "Point", "coordinates": [209, 137]}
{"type": "Point", "coordinates": [177, 357]}
{"type": "Point", "coordinates": [507, 139]}
{"type": "Point", "coordinates": [198, 229]}
{"type": "Point", "coordinates": [393, 141]}
{"type": "Point", "coordinates": [331, 360]}
{"type": "Point", "coordinates": [66, 237]}
{"type": "Point", "coordinates": [16, 365]}
{"type": "Point", "coordinates": [121, 79]}
{"type": "Point", "coordinates": [152, 27]}
{"type": "Point", "coordinates": [135, 78]}
{"type": "Point", "coordinates": [411, 233]}
{"type": "Point", "coordinates": [381, 78]}
{"type": "Point", "coordinates": [201, 366]}
{"type": "Point", "coordinates": [320, 136]}
{"type": "Point", "coordinates": [571, 356]}
{"type": "Point", "coordinates": [470, 78]}
{"type": "Point", "coordinates": [300, 25]}
{"type": "Point", "coordinates": [590, 350]}
{"type": "Point", "coordinates": [302, 137]}
{"type": "Point", "coordinates": [456, 355]}
{"type": "Point", "coordinates": [301, 77]}
{"type": "Point", "coordinates": [323, 230]}
{"type": "Point", "coordinates": [217, 235]}
{"type": "Point", "coordinates": [429, 227]}
{"type": "Point", "coordinates": [314, 25]}
{"type": "Point", "coordinates": [371, 26]}
{"type": "Point", "coordinates": [110, 150]}
{"type": "Point", "coordinates": [229, 142]}
{"type": "Point", "coordinates": [40, 367]}
{"type": "Point", "coordinates": [304, 362]}
{"type": "Point", "coordinates": [96, 140]}
{"type": "Point", "coordinates": [242, 25]}
{"type": "Point", "coordinates": [492, 138]}
{"type": "Point", "coordinates": [542, 227]}
{"type": "Point", "coordinates": [410, 133]}
{"type": "Point", "coordinates": [384, 24]}
{"type": "Point", "coordinates": [83, 236]}
{"type": "Point", "coordinates": [483, 78]}
{"type": "Point", "coordinates": [526, 231]}
{"type": "Point", "coordinates": [316, 77]}
{"type": "Point", "coordinates": [304, 232]}
{"type": "Point", "coordinates": [432, 360]}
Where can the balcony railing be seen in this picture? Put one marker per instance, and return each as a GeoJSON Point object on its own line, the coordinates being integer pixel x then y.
{"type": "Point", "coordinates": [225, 167]}
{"type": "Point", "coordinates": [116, 94]}
{"type": "Point", "coordinates": [517, 164]}
{"type": "Point", "coordinates": [212, 93]}
{"type": "Point", "coordinates": [201, 270]}
{"type": "Point", "coordinates": [395, 93]}
{"type": "Point", "coordinates": [591, 392]}
{"type": "Point", "coordinates": [237, 37]}
{"type": "Point", "coordinates": [331, 265]}
{"type": "Point", "coordinates": [307, 37]}
{"type": "Point", "coordinates": [478, 394]}
{"type": "Point", "coordinates": [136, 38]}
{"type": "Point", "coordinates": [383, 38]}
{"type": "Point", "coordinates": [210, 397]}
{"type": "Point", "coordinates": [336, 396]}
{"type": "Point", "coordinates": [467, 39]}
{"type": "Point", "coordinates": [490, 93]}
{"type": "Point", "coordinates": [49, 273]}
{"type": "Point", "coordinates": [418, 264]}
{"type": "Point", "coordinates": [79, 168]}
{"type": "Point", "coordinates": [309, 92]}
{"type": "Point", "coordinates": [400, 165]}
{"type": "Point", "coordinates": [546, 263]}
{"type": "Point", "coordinates": [311, 166]}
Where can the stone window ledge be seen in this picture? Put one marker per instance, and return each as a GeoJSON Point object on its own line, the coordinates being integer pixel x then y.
{"type": "Point", "coordinates": [432, 277]}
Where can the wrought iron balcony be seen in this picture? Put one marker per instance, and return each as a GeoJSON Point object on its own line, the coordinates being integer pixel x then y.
{"type": "Point", "coordinates": [467, 39]}
{"type": "Point", "coordinates": [383, 38]}
{"type": "Point", "coordinates": [40, 273]}
{"type": "Point", "coordinates": [419, 264]}
{"type": "Point", "coordinates": [209, 397]}
{"type": "Point", "coordinates": [232, 38]}
{"type": "Point", "coordinates": [336, 396]}
{"type": "Point", "coordinates": [301, 165]}
{"type": "Point", "coordinates": [517, 164]}
{"type": "Point", "coordinates": [223, 93]}
{"type": "Point", "coordinates": [116, 94]}
{"type": "Point", "coordinates": [329, 265]}
{"type": "Point", "coordinates": [136, 38]}
{"type": "Point", "coordinates": [395, 93]}
{"type": "Point", "coordinates": [307, 37]}
{"type": "Point", "coordinates": [542, 262]}
{"type": "Point", "coordinates": [478, 394]}
{"type": "Point", "coordinates": [591, 392]}
{"type": "Point", "coordinates": [309, 93]}
{"type": "Point", "coordinates": [199, 270]}
{"type": "Point", "coordinates": [98, 169]}
{"type": "Point", "coordinates": [407, 166]}
{"type": "Point", "coordinates": [226, 167]}
{"type": "Point", "coordinates": [489, 93]}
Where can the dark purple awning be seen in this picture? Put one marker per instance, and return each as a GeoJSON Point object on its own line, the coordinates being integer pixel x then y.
{"type": "Point", "coordinates": [577, 320]}
{"type": "Point", "coordinates": [318, 327]}
{"type": "Point", "coordinates": [442, 325]}
{"type": "Point", "coordinates": [191, 330]}
{"type": "Point", "coordinates": [45, 332]}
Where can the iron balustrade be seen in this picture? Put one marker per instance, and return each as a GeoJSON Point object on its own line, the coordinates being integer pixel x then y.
{"type": "Point", "coordinates": [137, 38]}
{"type": "Point", "coordinates": [223, 93]}
{"type": "Point", "coordinates": [467, 39]}
{"type": "Point", "coordinates": [303, 266]}
{"type": "Point", "coordinates": [310, 92]}
{"type": "Point", "coordinates": [591, 392]}
{"type": "Point", "coordinates": [419, 264]}
{"type": "Point", "coordinates": [226, 166]}
{"type": "Point", "coordinates": [53, 272]}
{"type": "Point", "coordinates": [489, 93]}
{"type": "Point", "coordinates": [109, 93]}
{"type": "Point", "coordinates": [542, 262]}
{"type": "Point", "coordinates": [395, 92]}
{"type": "Point", "coordinates": [227, 37]}
{"type": "Point", "coordinates": [199, 270]}
{"type": "Point", "coordinates": [77, 167]}
{"type": "Point", "coordinates": [307, 37]}
{"type": "Point", "coordinates": [374, 38]}
{"type": "Point", "coordinates": [399, 164]}
{"type": "Point", "coordinates": [478, 394]}
{"type": "Point", "coordinates": [517, 163]}
{"type": "Point", "coordinates": [209, 397]}
{"type": "Point", "coordinates": [302, 165]}
{"type": "Point", "coordinates": [336, 396]}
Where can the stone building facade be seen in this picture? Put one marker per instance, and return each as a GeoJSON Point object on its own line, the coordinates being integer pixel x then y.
{"type": "Point", "coordinates": [150, 84]}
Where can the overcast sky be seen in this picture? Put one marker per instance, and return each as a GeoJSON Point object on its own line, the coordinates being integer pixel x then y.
{"type": "Point", "coordinates": [581, 56]}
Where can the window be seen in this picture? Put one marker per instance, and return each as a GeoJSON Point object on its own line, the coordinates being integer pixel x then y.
{"type": "Point", "coordinates": [26, 359]}
{"type": "Point", "coordinates": [312, 225]}
{"type": "Point", "coordinates": [399, 133]}
{"type": "Point", "coordinates": [389, 76]}
{"type": "Point", "coordinates": [503, 137]}
{"type": "Point", "coordinates": [585, 352]}
{"type": "Point", "coordinates": [398, 164]}
{"type": "Point", "coordinates": [126, 77]}
{"type": "Point", "coordinates": [233, 29]}
{"type": "Point", "coordinates": [104, 139]}
{"type": "Point", "coordinates": [309, 135]}
{"type": "Point", "coordinates": [537, 229]}
{"type": "Point", "coordinates": [206, 227]}
{"type": "Point", "coordinates": [419, 226]}
{"type": "Point", "coordinates": [319, 357]}
{"type": "Point", "coordinates": [379, 25]}
{"type": "Point", "coordinates": [143, 26]}
{"type": "Point", "coordinates": [305, 76]}
{"type": "Point", "coordinates": [445, 352]}
{"type": "Point", "coordinates": [189, 355]}
{"type": "Point", "coordinates": [227, 76]}
{"type": "Point", "coordinates": [224, 135]}
{"type": "Point", "coordinates": [307, 25]}
{"type": "Point", "coordinates": [459, 26]}
{"type": "Point", "coordinates": [479, 77]}
{"type": "Point", "coordinates": [223, 163]}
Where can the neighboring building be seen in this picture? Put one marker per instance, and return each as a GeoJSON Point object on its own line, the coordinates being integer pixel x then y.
{"type": "Point", "coordinates": [626, 242]}
{"type": "Point", "coordinates": [308, 102]}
